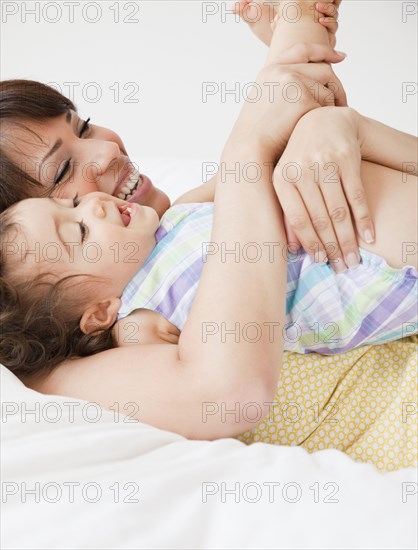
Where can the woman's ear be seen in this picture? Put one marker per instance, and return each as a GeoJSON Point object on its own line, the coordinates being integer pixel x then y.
{"type": "Point", "coordinates": [99, 317]}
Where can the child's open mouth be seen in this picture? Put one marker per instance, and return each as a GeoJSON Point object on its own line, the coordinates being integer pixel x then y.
{"type": "Point", "coordinates": [127, 213]}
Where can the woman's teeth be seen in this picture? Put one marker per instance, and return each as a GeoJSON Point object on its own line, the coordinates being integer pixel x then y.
{"type": "Point", "coordinates": [128, 190]}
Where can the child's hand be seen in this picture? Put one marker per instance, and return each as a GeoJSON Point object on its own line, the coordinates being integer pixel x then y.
{"type": "Point", "coordinates": [260, 17]}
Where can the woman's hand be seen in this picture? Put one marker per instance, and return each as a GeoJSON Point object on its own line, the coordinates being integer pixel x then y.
{"type": "Point", "coordinates": [329, 18]}
{"type": "Point", "coordinates": [284, 93]}
{"type": "Point", "coordinates": [318, 182]}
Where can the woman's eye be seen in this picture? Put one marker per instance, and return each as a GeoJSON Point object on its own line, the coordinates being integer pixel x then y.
{"type": "Point", "coordinates": [76, 201]}
{"type": "Point", "coordinates": [85, 128]}
{"type": "Point", "coordinates": [62, 174]}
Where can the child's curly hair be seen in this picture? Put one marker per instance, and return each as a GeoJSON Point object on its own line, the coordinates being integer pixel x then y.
{"type": "Point", "coordinates": [39, 322]}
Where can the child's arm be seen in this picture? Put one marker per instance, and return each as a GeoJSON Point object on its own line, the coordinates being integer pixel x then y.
{"type": "Point", "coordinates": [202, 193]}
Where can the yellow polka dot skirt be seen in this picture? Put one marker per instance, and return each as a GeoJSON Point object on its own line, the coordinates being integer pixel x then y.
{"type": "Point", "coordinates": [362, 402]}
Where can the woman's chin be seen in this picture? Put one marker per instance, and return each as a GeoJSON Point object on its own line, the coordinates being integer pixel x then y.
{"type": "Point", "coordinates": [158, 200]}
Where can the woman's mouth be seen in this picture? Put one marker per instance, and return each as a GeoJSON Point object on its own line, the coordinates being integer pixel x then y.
{"type": "Point", "coordinates": [130, 186]}
{"type": "Point", "coordinates": [135, 188]}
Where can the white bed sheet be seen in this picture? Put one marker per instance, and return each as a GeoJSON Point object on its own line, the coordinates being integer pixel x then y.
{"type": "Point", "coordinates": [168, 477]}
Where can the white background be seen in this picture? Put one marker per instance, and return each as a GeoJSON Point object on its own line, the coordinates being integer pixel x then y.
{"type": "Point", "coordinates": [170, 51]}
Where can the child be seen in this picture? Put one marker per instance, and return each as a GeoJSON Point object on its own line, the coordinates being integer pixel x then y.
{"type": "Point", "coordinates": [125, 260]}
{"type": "Point", "coordinates": [110, 258]}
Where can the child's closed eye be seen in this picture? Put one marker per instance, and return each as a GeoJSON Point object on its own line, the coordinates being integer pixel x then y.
{"type": "Point", "coordinates": [83, 231]}
{"type": "Point", "coordinates": [83, 226]}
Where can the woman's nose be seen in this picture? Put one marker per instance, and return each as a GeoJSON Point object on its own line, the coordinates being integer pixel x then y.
{"type": "Point", "coordinates": [100, 159]}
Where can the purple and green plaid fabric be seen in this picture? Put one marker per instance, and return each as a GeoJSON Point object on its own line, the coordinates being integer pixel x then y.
{"type": "Point", "coordinates": [326, 313]}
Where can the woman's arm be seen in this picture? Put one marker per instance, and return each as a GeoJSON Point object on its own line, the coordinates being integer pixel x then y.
{"type": "Point", "coordinates": [379, 143]}
{"type": "Point", "coordinates": [386, 146]}
{"type": "Point", "coordinates": [203, 193]}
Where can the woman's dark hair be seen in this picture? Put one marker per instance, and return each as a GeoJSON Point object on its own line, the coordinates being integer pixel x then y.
{"type": "Point", "coordinates": [39, 320]}
{"type": "Point", "coordinates": [23, 101]}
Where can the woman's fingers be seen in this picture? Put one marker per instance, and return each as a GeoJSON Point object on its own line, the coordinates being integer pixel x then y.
{"type": "Point", "coordinates": [292, 239]}
{"type": "Point", "coordinates": [356, 196]}
{"type": "Point", "coordinates": [343, 194]}
{"type": "Point", "coordinates": [315, 64]}
{"type": "Point", "coordinates": [319, 218]}
{"type": "Point", "coordinates": [297, 216]}
{"type": "Point", "coordinates": [328, 10]}
{"type": "Point", "coordinates": [323, 73]}
{"type": "Point", "coordinates": [343, 246]}
{"type": "Point", "coordinates": [335, 85]}
{"type": "Point", "coordinates": [329, 19]}
{"type": "Point", "coordinates": [310, 53]}
{"type": "Point", "coordinates": [330, 24]}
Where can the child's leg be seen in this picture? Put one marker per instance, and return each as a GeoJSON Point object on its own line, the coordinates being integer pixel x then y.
{"type": "Point", "coordinates": [296, 23]}
{"type": "Point", "coordinates": [259, 14]}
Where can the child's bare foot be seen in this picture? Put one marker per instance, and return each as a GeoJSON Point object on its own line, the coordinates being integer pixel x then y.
{"type": "Point", "coordinates": [259, 16]}
{"type": "Point", "coordinates": [262, 14]}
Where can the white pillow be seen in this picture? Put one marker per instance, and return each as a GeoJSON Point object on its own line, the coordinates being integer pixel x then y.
{"type": "Point", "coordinates": [176, 176]}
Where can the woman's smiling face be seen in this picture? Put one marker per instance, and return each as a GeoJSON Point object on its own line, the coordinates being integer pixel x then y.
{"type": "Point", "coordinates": [76, 157]}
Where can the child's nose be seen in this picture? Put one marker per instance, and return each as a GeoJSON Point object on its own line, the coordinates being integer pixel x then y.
{"type": "Point", "coordinates": [96, 207]}
{"type": "Point", "coordinates": [99, 210]}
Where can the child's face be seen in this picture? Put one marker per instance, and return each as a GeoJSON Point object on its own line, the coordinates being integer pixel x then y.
{"type": "Point", "coordinates": [98, 237]}
{"type": "Point", "coordinates": [97, 160]}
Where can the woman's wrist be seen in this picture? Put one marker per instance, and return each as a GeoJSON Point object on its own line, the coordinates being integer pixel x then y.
{"type": "Point", "coordinates": [324, 116]}
{"type": "Point", "coordinates": [249, 149]}
{"type": "Point", "coordinates": [256, 144]}
{"type": "Point", "coordinates": [245, 163]}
